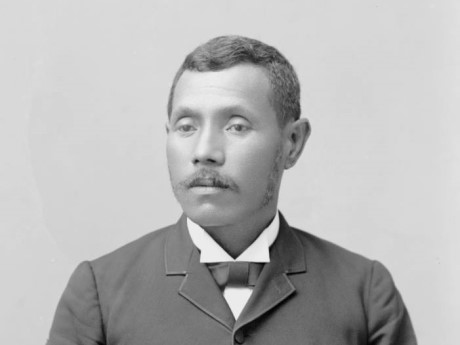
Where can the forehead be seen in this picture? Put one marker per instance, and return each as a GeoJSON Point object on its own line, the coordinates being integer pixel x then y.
{"type": "Point", "coordinates": [243, 85]}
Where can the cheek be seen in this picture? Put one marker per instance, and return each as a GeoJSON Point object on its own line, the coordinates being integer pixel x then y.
{"type": "Point", "coordinates": [177, 159]}
{"type": "Point", "coordinates": [255, 165]}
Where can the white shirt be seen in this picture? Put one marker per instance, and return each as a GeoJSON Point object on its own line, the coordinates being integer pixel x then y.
{"type": "Point", "coordinates": [258, 251]}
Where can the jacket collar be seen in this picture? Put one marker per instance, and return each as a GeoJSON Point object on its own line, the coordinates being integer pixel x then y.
{"type": "Point", "coordinates": [198, 285]}
{"type": "Point", "coordinates": [179, 248]}
{"type": "Point", "coordinates": [273, 286]}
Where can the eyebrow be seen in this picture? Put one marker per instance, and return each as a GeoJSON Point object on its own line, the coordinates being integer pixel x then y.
{"type": "Point", "coordinates": [185, 111]}
{"type": "Point", "coordinates": [237, 109]}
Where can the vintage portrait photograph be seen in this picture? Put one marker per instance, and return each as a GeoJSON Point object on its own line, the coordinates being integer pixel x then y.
{"type": "Point", "coordinates": [229, 172]}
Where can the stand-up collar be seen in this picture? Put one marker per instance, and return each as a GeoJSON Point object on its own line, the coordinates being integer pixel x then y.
{"type": "Point", "coordinates": [211, 251]}
{"type": "Point", "coordinates": [179, 247]}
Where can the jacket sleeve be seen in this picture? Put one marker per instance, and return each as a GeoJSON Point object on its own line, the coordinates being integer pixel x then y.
{"type": "Point", "coordinates": [388, 320]}
{"type": "Point", "coordinates": [78, 319]}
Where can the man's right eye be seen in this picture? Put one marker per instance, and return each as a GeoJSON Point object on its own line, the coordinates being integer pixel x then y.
{"type": "Point", "coordinates": [185, 128]}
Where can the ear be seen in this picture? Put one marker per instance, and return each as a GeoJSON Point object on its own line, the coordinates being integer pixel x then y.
{"type": "Point", "coordinates": [298, 133]}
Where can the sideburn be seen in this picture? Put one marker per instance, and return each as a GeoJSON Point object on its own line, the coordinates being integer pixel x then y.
{"type": "Point", "coordinates": [273, 177]}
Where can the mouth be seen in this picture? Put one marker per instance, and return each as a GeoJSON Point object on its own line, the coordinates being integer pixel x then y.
{"type": "Point", "coordinates": [208, 183]}
{"type": "Point", "coordinates": [199, 190]}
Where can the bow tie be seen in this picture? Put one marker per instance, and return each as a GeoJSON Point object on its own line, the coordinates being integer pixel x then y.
{"type": "Point", "coordinates": [235, 273]}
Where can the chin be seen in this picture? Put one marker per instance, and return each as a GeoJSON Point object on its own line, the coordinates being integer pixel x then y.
{"type": "Point", "coordinates": [206, 215]}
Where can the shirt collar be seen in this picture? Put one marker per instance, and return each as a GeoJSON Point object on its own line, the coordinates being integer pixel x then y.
{"type": "Point", "coordinates": [258, 251]}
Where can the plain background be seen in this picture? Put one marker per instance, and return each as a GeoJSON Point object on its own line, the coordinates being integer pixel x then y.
{"type": "Point", "coordinates": [83, 91]}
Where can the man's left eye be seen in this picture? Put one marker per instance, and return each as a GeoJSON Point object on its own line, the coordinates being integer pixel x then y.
{"type": "Point", "coordinates": [237, 128]}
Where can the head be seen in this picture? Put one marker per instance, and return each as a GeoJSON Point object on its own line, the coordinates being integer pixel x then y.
{"type": "Point", "coordinates": [234, 127]}
{"type": "Point", "coordinates": [227, 51]}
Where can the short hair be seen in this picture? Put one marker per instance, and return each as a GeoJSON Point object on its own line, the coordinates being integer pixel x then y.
{"type": "Point", "coordinates": [227, 51]}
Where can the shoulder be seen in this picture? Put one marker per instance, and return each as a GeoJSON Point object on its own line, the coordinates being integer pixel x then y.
{"type": "Point", "coordinates": [320, 247]}
{"type": "Point", "coordinates": [342, 267]}
{"type": "Point", "coordinates": [324, 256]}
{"type": "Point", "coordinates": [345, 268]}
{"type": "Point", "coordinates": [358, 281]}
{"type": "Point", "coordinates": [146, 252]}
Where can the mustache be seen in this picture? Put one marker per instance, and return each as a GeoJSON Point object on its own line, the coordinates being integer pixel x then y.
{"type": "Point", "coordinates": [209, 178]}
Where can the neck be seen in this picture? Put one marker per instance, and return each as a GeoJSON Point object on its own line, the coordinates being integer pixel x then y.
{"type": "Point", "coordinates": [235, 238]}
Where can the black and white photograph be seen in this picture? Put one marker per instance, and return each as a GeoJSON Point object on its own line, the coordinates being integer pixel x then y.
{"type": "Point", "coordinates": [229, 172]}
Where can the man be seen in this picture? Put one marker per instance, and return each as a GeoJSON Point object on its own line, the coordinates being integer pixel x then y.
{"type": "Point", "coordinates": [232, 270]}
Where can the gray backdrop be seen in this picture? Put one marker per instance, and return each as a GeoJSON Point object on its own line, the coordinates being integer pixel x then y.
{"type": "Point", "coordinates": [83, 90]}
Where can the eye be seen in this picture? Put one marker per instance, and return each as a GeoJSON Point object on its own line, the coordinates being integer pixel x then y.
{"type": "Point", "coordinates": [185, 128]}
{"type": "Point", "coordinates": [238, 125]}
{"type": "Point", "coordinates": [185, 125]}
{"type": "Point", "coordinates": [237, 128]}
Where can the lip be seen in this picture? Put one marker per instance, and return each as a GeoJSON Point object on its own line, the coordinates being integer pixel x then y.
{"type": "Point", "coordinates": [207, 190]}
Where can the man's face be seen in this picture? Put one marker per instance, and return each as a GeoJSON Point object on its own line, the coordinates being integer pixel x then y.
{"type": "Point", "coordinates": [225, 148]}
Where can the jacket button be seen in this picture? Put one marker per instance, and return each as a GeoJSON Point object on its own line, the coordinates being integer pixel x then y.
{"type": "Point", "coordinates": [239, 336]}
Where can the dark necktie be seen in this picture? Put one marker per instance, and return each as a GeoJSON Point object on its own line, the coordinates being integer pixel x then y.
{"type": "Point", "coordinates": [235, 273]}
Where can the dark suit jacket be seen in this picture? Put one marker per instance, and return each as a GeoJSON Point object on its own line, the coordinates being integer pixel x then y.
{"type": "Point", "coordinates": [155, 291]}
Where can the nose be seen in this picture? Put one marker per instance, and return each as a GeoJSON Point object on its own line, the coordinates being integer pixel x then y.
{"type": "Point", "coordinates": [208, 148]}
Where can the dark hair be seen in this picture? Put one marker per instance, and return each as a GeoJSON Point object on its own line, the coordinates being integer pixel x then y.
{"type": "Point", "coordinates": [227, 51]}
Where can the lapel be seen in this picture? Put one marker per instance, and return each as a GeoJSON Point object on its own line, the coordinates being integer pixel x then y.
{"type": "Point", "coordinates": [274, 286]}
{"type": "Point", "coordinates": [198, 285]}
